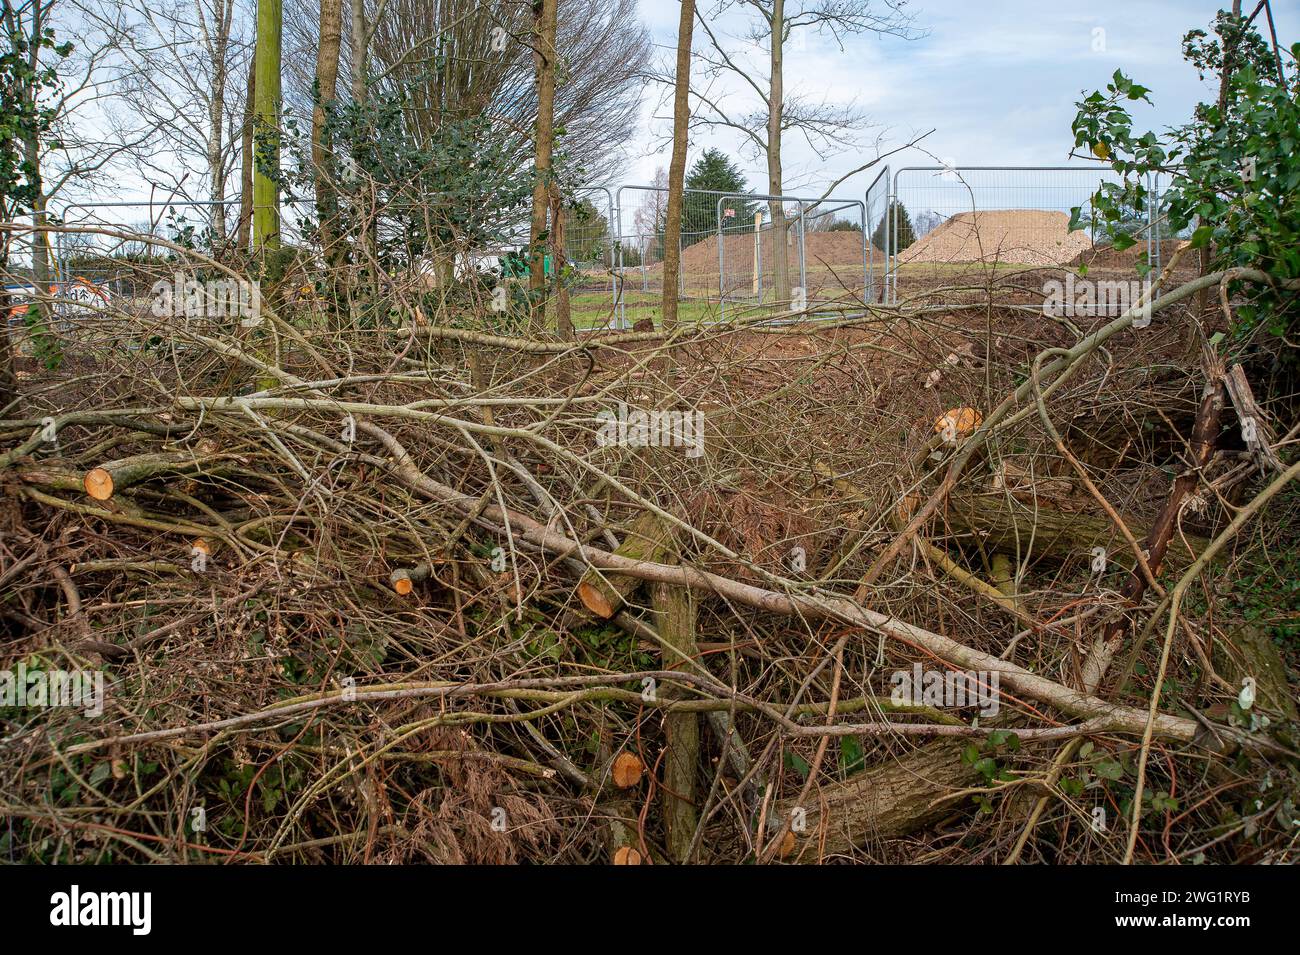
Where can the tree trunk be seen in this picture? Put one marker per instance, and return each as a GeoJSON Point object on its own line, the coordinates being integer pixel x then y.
{"type": "Point", "coordinates": [563, 317]}
{"type": "Point", "coordinates": [8, 372]}
{"type": "Point", "coordinates": [544, 57]}
{"type": "Point", "coordinates": [32, 153]}
{"type": "Point", "coordinates": [365, 245]}
{"type": "Point", "coordinates": [222, 15]}
{"type": "Point", "coordinates": [244, 230]}
{"type": "Point", "coordinates": [775, 118]}
{"type": "Point", "coordinates": [675, 607]}
{"type": "Point", "coordinates": [649, 538]}
{"type": "Point", "coordinates": [882, 802]}
{"type": "Point", "coordinates": [1009, 525]}
{"type": "Point", "coordinates": [266, 191]}
{"type": "Point", "coordinates": [677, 166]}
{"type": "Point", "coordinates": [112, 477]}
{"type": "Point", "coordinates": [40, 240]}
{"type": "Point", "coordinates": [359, 51]}
{"type": "Point", "coordinates": [327, 75]}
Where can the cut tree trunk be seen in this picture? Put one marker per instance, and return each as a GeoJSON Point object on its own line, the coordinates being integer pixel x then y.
{"type": "Point", "coordinates": [404, 579]}
{"type": "Point", "coordinates": [649, 538]}
{"type": "Point", "coordinates": [103, 482]}
{"type": "Point", "coordinates": [675, 607]}
{"type": "Point", "coordinates": [1007, 524]}
{"type": "Point", "coordinates": [882, 802]}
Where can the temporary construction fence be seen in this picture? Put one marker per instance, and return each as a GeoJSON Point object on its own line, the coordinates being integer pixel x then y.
{"type": "Point", "coordinates": [742, 249]}
{"type": "Point", "coordinates": [764, 264]}
{"type": "Point", "coordinates": [641, 215]}
{"type": "Point", "coordinates": [877, 235]}
{"type": "Point", "coordinates": [588, 240]}
{"type": "Point", "coordinates": [948, 223]}
{"type": "Point", "coordinates": [918, 229]}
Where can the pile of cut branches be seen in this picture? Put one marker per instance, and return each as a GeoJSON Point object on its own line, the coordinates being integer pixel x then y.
{"type": "Point", "coordinates": [422, 589]}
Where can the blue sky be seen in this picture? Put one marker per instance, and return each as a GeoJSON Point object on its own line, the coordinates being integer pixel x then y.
{"type": "Point", "coordinates": [996, 80]}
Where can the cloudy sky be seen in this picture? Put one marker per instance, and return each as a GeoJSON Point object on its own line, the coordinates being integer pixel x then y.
{"type": "Point", "coordinates": [996, 79]}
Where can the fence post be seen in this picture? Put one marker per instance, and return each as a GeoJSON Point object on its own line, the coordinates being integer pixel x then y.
{"type": "Point", "coordinates": [803, 259]}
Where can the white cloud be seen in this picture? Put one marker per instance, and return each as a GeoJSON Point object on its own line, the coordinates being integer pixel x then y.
{"type": "Point", "coordinates": [996, 81]}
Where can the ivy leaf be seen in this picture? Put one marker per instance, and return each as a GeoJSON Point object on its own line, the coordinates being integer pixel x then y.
{"type": "Point", "coordinates": [851, 757]}
{"type": "Point", "coordinates": [1109, 769]}
{"type": "Point", "coordinates": [798, 764]}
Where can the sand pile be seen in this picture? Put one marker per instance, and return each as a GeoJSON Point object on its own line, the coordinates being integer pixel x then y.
{"type": "Point", "coordinates": [1021, 236]}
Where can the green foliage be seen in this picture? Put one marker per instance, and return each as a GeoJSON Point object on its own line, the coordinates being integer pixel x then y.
{"type": "Point", "coordinates": [23, 115]}
{"type": "Point", "coordinates": [902, 224]}
{"type": "Point", "coordinates": [45, 345]}
{"type": "Point", "coordinates": [852, 758]}
{"type": "Point", "coordinates": [1265, 589]}
{"type": "Point", "coordinates": [797, 764]}
{"type": "Point", "coordinates": [586, 233]}
{"type": "Point", "coordinates": [714, 172]}
{"type": "Point", "coordinates": [984, 754]}
{"type": "Point", "coordinates": [419, 195]}
{"type": "Point", "coordinates": [1234, 169]}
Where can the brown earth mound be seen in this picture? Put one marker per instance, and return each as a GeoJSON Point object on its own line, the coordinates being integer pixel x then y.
{"type": "Point", "coordinates": [1105, 257]}
{"type": "Point", "coordinates": [1021, 236]}
{"type": "Point", "coordinates": [834, 250]}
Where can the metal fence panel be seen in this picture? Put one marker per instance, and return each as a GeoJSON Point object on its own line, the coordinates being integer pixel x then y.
{"type": "Point", "coordinates": [949, 223]}
{"type": "Point", "coordinates": [642, 216]}
{"type": "Point", "coordinates": [877, 236]}
{"type": "Point", "coordinates": [835, 254]}
{"type": "Point", "coordinates": [752, 269]}
{"type": "Point", "coordinates": [590, 226]}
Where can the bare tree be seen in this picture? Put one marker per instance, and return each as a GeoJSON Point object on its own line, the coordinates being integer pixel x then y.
{"type": "Point", "coordinates": [458, 61]}
{"type": "Point", "coordinates": [826, 127]}
{"type": "Point", "coordinates": [650, 216]}
{"type": "Point", "coordinates": [544, 58]}
{"type": "Point", "coordinates": [677, 167]}
{"type": "Point", "coordinates": [82, 146]}
{"type": "Point", "coordinates": [177, 59]}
